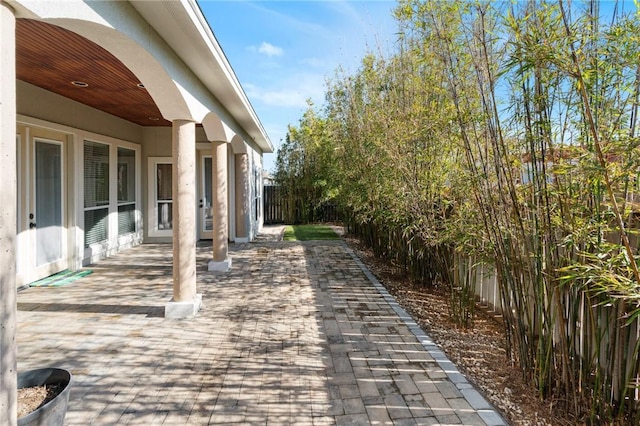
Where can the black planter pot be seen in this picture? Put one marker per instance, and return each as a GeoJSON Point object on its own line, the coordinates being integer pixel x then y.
{"type": "Point", "coordinates": [52, 413]}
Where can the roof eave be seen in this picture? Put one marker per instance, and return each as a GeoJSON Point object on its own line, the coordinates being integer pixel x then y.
{"type": "Point", "coordinates": [210, 65]}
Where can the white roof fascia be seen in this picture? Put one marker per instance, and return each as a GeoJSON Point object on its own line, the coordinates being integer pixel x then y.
{"type": "Point", "coordinates": [184, 28]}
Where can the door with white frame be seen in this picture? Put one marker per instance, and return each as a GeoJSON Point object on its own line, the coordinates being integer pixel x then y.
{"type": "Point", "coordinates": [161, 202]}
{"type": "Point", "coordinates": [160, 214]}
{"type": "Point", "coordinates": [205, 201]}
{"type": "Point", "coordinates": [44, 251]}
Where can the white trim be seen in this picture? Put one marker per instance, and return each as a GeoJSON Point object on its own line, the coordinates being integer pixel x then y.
{"type": "Point", "coordinates": [114, 241]}
{"type": "Point", "coordinates": [257, 189]}
{"type": "Point", "coordinates": [112, 230]}
{"type": "Point", "coordinates": [95, 249]}
{"type": "Point", "coordinates": [203, 234]}
{"type": "Point", "coordinates": [77, 170]}
{"type": "Point", "coordinates": [29, 121]}
{"type": "Point", "coordinates": [222, 266]}
{"type": "Point", "coordinates": [74, 186]}
{"type": "Point", "coordinates": [152, 197]}
{"type": "Point", "coordinates": [231, 193]}
{"type": "Point", "coordinates": [118, 203]}
{"type": "Point", "coordinates": [179, 310]}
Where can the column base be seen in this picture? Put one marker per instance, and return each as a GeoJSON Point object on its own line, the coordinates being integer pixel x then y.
{"type": "Point", "coordinates": [178, 310]}
{"type": "Point", "coordinates": [216, 266]}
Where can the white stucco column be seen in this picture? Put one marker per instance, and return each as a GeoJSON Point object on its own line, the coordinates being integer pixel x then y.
{"type": "Point", "coordinates": [243, 209]}
{"type": "Point", "coordinates": [185, 302]}
{"type": "Point", "coordinates": [221, 260]}
{"type": "Point", "coordinates": [8, 212]}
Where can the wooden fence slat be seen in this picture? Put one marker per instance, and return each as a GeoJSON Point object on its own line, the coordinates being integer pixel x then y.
{"type": "Point", "coordinates": [275, 207]}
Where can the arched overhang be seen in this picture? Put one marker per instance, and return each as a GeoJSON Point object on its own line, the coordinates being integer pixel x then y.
{"type": "Point", "coordinates": [176, 37]}
{"type": "Point", "coordinates": [118, 28]}
{"type": "Point", "coordinates": [216, 129]}
{"type": "Point", "coordinates": [169, 98]}
{"type": "Point", "coordinates": [238, 146]}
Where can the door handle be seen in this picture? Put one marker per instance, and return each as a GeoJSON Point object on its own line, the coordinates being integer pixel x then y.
{"type": "Point", "coordinates": [32, 225]}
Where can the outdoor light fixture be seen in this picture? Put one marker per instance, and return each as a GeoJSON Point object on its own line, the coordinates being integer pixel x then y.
{"type": "Point", "coordinates": [140, 85]}
{"type": "Point", "coordinates": [80, 83]}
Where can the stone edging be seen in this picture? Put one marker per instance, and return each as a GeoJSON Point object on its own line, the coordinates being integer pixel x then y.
{"type": "Point", "coordinates": [484, 409]}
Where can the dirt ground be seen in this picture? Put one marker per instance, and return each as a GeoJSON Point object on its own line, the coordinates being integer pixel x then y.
{"type": "Point", "coordinates": [479, 352]}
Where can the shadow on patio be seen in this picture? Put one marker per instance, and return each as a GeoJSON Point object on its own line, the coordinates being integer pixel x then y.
{"type": "Point", "coordinates": [294, 333]}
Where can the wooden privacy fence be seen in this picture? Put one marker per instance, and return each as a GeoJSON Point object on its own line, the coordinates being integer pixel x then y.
{"type": "Point", "coordinates": [279, 209]}
{"type": "Point", "coordinates": [273, 205]}
{"type": "Point", "coordinates": [599, 337]}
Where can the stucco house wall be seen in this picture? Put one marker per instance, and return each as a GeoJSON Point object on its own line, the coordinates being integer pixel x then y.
{"type": "Point", "coordinates": [46, 111]}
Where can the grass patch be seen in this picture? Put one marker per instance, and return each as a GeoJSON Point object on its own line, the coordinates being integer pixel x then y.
{"type": "Point", "coordinates": [309, 232]}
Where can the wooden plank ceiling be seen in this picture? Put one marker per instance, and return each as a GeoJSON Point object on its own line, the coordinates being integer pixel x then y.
{"type": "Point", "coordinates": [53, 58]}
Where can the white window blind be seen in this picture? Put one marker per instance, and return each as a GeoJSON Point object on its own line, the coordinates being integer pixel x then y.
{"type": "Point", "coordinates": [95, 226]}
{"type": "Point", "coordinates": [96, 174]}
{"type": "Point", "coordinates": [126, 191]}
{"type": "Point", "coordinates": [96, 192]}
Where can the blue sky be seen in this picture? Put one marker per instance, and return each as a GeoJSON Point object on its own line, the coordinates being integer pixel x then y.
{"type": "Point", "coordinates": [283, 51]}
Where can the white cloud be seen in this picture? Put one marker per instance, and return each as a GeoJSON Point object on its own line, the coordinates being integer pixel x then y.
{"type": "Point", "coordinates": [294, 24]}
{"type": "Point", "coordinates": [288, 97]}
{"type": "Point", "coordinates": [314, 62]}
{"type": "Point", "coordinates": [291, 93]}
{"type": "Point", "coordinates": [270, 50]}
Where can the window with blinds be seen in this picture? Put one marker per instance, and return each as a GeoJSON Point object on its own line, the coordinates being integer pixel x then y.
{"type": "Point", "coordinates": [96, 192]}
{"type": "Point", "coordinates": [126, 219]}
{"type": "Point", "coordinates": [126, 191]}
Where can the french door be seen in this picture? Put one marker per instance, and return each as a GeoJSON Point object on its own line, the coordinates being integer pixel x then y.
{"type": "Point", "coordinates": [44, 250]}
{"type": "Point", "coordinates": [205, 210]}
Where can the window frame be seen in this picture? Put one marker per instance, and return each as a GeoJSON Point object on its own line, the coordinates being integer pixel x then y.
{"type": "Point", "coordinates": [128, 202]}
{"type": "Point", "coordinates": [104, 206]}
{"type": "Point", "coordinates": [114, 238]}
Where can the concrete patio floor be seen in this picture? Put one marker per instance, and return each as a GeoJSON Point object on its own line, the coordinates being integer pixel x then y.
{"type": "Point", "coordinates": [296, 333]}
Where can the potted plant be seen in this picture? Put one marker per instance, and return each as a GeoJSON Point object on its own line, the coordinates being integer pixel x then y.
{"type": "Point", "coordinates": [53, 407]}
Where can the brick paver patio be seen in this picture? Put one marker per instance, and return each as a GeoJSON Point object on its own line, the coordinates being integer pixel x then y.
{"type": "Point", "coordinates": [295, 333]}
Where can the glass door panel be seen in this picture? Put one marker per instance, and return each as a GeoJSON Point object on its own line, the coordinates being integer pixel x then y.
{"type": "Point", "coordinates": [207, 196]}
{"type": "Point", "coordinates": [48, 203]}
{"type": "Point", "coordinates": [164, 196]}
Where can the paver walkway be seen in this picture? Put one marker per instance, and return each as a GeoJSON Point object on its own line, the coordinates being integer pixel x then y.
{"type": "Point", "coordinates": [295, 333]}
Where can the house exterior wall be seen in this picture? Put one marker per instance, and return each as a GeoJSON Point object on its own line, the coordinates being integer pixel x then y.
{"type": "Point", "coordinates": [33, 101]}
{"type": "Point", "coordinates": [137, 35]}
{"type": "Point", "coordinates": [46, 115]}
{"type": "Point", "coordinates": [32, 130]}
{"type": "Point", "coordinates": [156, 145]}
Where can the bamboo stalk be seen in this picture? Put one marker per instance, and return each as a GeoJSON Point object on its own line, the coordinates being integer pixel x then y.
{"type": "Point", "coordinates": [598, 147]}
